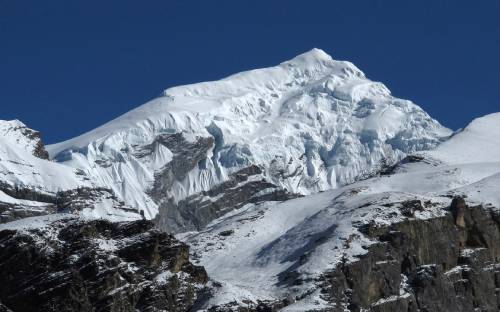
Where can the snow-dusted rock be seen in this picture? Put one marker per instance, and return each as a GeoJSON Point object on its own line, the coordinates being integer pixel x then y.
{"type": "Point", "coordinates": [63, 263]}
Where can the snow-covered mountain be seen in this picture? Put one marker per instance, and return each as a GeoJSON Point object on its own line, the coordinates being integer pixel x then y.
{"type": "Point", "coordinates": [300, 187]}
{"type": "Point", "coordinates": [307, 125]}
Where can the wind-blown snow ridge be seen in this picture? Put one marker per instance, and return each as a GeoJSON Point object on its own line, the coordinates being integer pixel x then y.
{"type": "Point", "coordinates": [312, 123]}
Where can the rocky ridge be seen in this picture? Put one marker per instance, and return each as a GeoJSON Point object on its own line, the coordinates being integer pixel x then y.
{"type": "Point", "coordinates": [60, 250]}
{"type": "Point", "coordinates": [448, 263]}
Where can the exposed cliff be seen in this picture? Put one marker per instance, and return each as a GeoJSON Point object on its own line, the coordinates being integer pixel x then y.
{"type": "Point", "coordinates": [69, 264]}
{"type": "Point", "coordinates": [449, 263]}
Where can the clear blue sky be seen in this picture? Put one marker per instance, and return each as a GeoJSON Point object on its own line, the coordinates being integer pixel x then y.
{"type": "Point", "coordinates": [69, 66]}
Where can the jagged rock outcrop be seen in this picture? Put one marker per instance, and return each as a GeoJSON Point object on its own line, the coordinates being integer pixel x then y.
{"type": "Point", "coordinates": [247, 185]}
{"type": "Point", "coordinates": [76, 265]}
{"type": "Point", "coordinates": [185, 156]}
{"type": "Point", "coordinates": [449, 263]}
{"type": "Point", "coordinates": [39, 148]}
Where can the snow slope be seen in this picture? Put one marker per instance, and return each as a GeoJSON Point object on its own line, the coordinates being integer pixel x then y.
{"type": "Point", "coordinates": [478, 142]}
{"type": "Point", "coordinates": [311, 123]}
{"type": "Point", "coordinates": [19, 167]}
{"type": "Point", "coordinates": [251, 251]}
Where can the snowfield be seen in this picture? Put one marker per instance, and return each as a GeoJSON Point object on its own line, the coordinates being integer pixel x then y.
{"type": "Point", "coordinates": [477, 143]}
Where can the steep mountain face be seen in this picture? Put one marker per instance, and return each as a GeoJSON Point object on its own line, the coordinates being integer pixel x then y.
{"type": "Point", "coordinates": [307, 125]}
{"type": "Point", "coordinates": [32, 185]}
{"type": "Point", "coordinates": [422, 236]}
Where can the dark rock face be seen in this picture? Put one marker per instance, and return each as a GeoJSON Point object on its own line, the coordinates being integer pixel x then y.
{"type": "Point", "coordinates": [450, 263]}
{"type": "Point", "coordinates": [196, 211]}
{"type": "Point", "coordinates": [186, 155]}
{"type": "Point", "coordinates": [77, 199]}
{"type": "Point", "coordinates": [75, 265]}
{"type": "Point", "coordinates": [39, 150]}
{"type": "Point", "coordinates": [4, 308]}
{"type": "Point", "coordinates": [10, 212]}
{"type": "Point", "coordinates": [26, 193]}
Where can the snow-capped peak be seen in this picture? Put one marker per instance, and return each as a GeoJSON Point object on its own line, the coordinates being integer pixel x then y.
{"type": "Point", "coordinates": [317, 60]}
{"type": "Point", "coordinates": [311, 123]}
{"type": "Point", "coordinates": [312, 56]}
